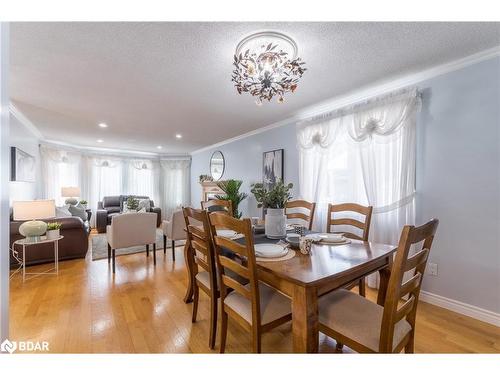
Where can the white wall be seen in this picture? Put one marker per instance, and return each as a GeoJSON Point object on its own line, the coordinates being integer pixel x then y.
{"type": "Point", "coordinates": [4, 178]}
{"type": "Point", "coordinates": [458, 173]}
{"type": "Point", "coordinates": [24, 139]}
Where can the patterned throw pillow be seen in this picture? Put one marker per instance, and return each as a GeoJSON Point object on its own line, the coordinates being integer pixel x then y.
{"type": "Point", "coordinates": [144, 205]}
{"type": "Point", "coordinates": [78, 211]}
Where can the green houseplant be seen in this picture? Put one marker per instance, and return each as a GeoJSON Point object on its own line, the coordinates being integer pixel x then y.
{"type": "Point", "coordinates": [132, 204]}
{"type": "Point", "coordinates": [83, 203]}
{"type": "Point", "coordinates": [233, 194]}
{"type": "Point", "coordinates": [274, 202]}
{"type": "Point", "coordinates": [53, 230]}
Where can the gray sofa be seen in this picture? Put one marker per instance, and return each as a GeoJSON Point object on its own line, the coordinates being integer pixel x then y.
{"type": "Point", "coordinates": [113, 205]}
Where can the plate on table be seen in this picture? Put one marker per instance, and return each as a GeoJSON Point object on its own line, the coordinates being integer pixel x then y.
{"type": "Point", "coordinates": [227, 233]}
{"type": "Point", "coordinates": [268, 250]}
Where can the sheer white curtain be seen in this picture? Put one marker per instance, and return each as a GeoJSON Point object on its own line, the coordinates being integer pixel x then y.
{"type": "Point", "coordinates": [176, 189]}
{"type": "Point", "coordinates": [364, 154]}
{"type": "Point", "coordinates": [60, 168]}
{"type": "Point", "coordinates": [166, 182]}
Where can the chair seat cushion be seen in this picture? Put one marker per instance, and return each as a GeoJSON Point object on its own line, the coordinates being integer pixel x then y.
{"type": "Point", "coordinates": [358, 318]}
{"type": "Point", "coordinates": [204, 278]}
{"type": "Point", "coordinates": [273, 305]}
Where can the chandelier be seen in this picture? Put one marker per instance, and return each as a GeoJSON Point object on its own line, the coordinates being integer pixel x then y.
{"type": "Point", "coordinates": [266, 65]}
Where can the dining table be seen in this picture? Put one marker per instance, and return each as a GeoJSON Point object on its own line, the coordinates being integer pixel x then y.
{"type": "Point", "coordinates": [305, 278]}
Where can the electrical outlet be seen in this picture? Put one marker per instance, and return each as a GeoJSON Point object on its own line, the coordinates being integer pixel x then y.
{"type": "Point", "coordinates": [432, 269]}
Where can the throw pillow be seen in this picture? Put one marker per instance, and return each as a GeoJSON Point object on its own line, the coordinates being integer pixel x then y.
{"type": "Point", "coordinates": [63, 212]}
{"type": "Point", "coordinates": [144, 204]}
{"type": "Point", "coordinates": [79, 212]}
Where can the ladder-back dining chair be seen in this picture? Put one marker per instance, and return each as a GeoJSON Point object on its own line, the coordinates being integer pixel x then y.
{"type": "Point", "coordinates": [218, 205]}
{"type": "Point", "coordinates": [254, 305]}
{"type": "Point", "coordinates": [295, 210]}
{"type": "Point", "coordinates": [362, 226]}
{"type": "Point", "coordinates": [367, 327]}
{"type": "Point", "coordinates": [204, 269]}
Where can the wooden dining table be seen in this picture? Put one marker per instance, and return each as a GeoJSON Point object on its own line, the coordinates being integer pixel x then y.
{"type": "Point", "coordinates": [305, 278]}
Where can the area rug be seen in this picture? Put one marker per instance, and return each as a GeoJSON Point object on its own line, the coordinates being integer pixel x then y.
{"type": "Point", "coordinates": [100, 246]}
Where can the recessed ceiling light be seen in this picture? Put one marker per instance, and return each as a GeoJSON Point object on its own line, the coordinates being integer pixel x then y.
{"type": "Point", "coordinates": [178, 136]}
{"type": "Point", "coordinates": [100, 141]}
{"type": "Point", "coordinates": [103, 125]}
{"type": "Point", "coordinates": [159, 147]}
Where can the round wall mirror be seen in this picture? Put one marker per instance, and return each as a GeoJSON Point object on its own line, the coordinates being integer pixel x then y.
{"type": "Point", "coordinates": [217, 165]}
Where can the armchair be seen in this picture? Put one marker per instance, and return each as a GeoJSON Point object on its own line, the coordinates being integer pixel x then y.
{"type": "Point", "coordinates": [175, 230]}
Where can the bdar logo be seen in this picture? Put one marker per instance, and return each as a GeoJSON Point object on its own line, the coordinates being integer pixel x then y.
{"type": "Point", "coordinates": [8, 346]}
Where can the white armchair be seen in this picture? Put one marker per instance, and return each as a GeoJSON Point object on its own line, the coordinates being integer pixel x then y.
{"type": "Point", "coordinates": [129, 230]}
{"type": "Point", "coordinates": [174, 230]}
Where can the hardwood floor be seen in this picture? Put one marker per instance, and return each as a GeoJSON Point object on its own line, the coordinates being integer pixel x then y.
{"type": "Point", "coordinates": [140, 310]}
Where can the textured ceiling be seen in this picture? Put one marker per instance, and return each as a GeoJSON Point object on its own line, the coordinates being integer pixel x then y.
{"type": "Point", "coordinates": [149, 81]}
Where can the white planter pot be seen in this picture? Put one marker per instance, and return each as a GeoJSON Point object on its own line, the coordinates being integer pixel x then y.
{"type": "Point", "coordinates": [275, 224]}
{"type": "Point", "coordinates": [53, 234]}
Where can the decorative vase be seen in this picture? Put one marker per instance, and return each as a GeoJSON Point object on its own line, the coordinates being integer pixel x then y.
{"type": "Point", "coordinates": [275, 224]}
{"type": "Point", "coordinates": [53, 234]}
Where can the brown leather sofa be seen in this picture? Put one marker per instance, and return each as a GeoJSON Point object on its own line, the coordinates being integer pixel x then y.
{"type": "Point", "coordinates": [113, 205]}
{"type": "Point", "coordinates": [74, 244]}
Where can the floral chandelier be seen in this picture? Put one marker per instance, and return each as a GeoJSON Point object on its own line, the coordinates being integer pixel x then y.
{"type": "Point", "coordinates": [266, 65]}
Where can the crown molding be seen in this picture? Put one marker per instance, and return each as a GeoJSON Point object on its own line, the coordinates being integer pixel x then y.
{"type": "Point", "coordinates": [367, 92]}
{"type": "Point", "coordinates": [26, 122]}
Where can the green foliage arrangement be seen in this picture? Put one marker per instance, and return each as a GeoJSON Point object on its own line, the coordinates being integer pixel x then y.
{"type": "Point", "coordinates": [233, 194]}
{"type": "Point", "coordinates": [132, 203]}
{"type": "Point", "coordinates": [54, 226]}
{"type": "Point", "coordinates": [276, 197]}
{"type": "Point", "coordinates": [83, 201]}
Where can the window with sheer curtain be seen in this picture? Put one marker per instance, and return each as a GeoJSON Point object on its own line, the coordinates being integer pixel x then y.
{"type": "Point", "coordinates": [366, 155]}
{"type": "Point", "coordinates": [166, 182]}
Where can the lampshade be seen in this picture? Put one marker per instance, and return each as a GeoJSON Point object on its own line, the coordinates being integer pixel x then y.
{"type": "Point", "coordinates": [31, 210]}
{"type": "Point", "coordinates": [70, 191]}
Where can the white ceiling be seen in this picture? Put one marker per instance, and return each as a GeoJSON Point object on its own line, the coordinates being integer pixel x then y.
{"type": "Point", "coordinates": [149, 81]}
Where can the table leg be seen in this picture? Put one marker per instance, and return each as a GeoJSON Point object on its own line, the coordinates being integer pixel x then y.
{"type": "Point", "coordinates": [385, 275]}
{"type": "Point", "coordinates": [188, 259]}
{"type": "Point", "coordinates": [24, 263]}
{"type": "Point", "coordinates": [56, 256]}
{"type": "Point", "coordinates": [305, 319]}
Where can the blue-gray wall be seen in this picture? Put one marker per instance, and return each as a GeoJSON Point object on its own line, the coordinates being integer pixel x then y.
{"type": "Point", "coordinates": [458, 178]}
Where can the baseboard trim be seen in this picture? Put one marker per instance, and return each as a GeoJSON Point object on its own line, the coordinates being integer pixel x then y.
{"type": "Point", "coordinates": [461, 308]}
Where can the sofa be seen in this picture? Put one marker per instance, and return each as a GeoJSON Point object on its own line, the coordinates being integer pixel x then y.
{"type": "Point", "coordinates": [113, 205]}
{"type": "Point", "coordinates": [74, 244]}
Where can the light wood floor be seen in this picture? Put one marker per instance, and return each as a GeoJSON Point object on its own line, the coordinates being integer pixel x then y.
{"type": "Point", "coordinates": [87, 310]}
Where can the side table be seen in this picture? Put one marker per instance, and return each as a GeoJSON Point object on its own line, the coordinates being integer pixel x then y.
{"type": "Point", "coordinates": [25, 243]}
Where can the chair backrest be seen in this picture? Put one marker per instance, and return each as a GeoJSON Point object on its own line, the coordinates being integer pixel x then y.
{"type": "Point", "coordinates": [178, 226]}
{"type": "Point", "coordinates": [133, 229]}
{"type": "Point", "coordinates": [364, 226]}
{"type": "Point", "coordinates": [218, 205]}
{"type": "Point", "coordinates": [227, 265]}
{"type": "Point", "coordinates": [201, 243]}
{"type": "Point", "coordinates": [294, 210]}
{"type": "Point", "coordinates": [394, 310]}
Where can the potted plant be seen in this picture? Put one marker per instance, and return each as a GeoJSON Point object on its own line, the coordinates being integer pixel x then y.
{"type": "Point", "coordinates": [83, 204]}
{"type": "Point", "coordinates": [232, 190]}
{"type": "Point", "coordinates": [53, 230]}
{"type": "Point", "coordinates": [274, 201]}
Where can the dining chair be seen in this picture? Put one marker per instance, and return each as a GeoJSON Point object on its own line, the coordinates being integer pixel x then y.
{"type": "Point", "coordinates": [218, 205]}
{"type": "Point", "coordinates": [368, 327]}
{"type": "Point", "coordinates": [294, 210]}
{"type": "Point", "coordinates": [254, 305]}
{"type": "Point", "coordinates": [362, 226]}
{"type": "Point", "coordinates": [204, 270]}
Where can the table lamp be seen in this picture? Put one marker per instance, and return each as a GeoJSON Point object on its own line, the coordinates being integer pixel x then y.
{"type": "Point", "coordinates": [32, 210]}
{"type": "Point", "coordinates": [70, 192]}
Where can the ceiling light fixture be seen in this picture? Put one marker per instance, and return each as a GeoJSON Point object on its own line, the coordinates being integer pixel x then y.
{"type": "Point", "coordinates": [103, 125]}
{"type": "Point", "coordinates": [178, 136]}
{"type": "Point", "coordinates": [266, 65]}
{"type": "Point", "coordinates": [159, 147]}
{"type": "Point", "coordinates": [100, 141]}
